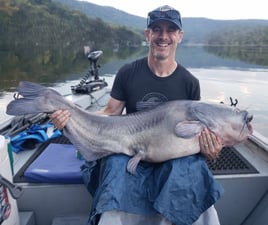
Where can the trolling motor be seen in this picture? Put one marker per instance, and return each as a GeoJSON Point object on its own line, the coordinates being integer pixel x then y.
{"type": "Point", "coordinates": [91, 81]}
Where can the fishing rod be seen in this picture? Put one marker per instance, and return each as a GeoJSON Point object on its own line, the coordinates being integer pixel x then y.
{"type": "Point", "coordinates": [19, 124]}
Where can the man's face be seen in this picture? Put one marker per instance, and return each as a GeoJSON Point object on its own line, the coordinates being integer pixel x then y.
{"type": "Point", "coordinates": [163, 37]}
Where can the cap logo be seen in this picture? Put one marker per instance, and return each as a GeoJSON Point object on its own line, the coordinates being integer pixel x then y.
{"type": "Point", "coordinates": [165, 8]}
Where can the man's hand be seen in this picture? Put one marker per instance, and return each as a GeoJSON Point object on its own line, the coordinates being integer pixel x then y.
{"type": "Point", "coordinates": [60, 118]}
{"type": "Point", "coordinates": [210, 144]}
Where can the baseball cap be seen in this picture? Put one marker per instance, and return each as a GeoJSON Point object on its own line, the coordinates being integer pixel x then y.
{"type": "Point", "coordinates": [166, 13]}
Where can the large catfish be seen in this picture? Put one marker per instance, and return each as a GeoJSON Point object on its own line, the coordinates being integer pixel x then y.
{"type": "Point", "coordinates": [165, 132]}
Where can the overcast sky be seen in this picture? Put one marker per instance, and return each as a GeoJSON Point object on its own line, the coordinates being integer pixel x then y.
{"type": "Point", "coordinates": [212, 9]}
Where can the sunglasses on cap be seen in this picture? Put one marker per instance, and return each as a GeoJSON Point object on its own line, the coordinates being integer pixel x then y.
{"type": "Point", "coordinates": [171, 15]}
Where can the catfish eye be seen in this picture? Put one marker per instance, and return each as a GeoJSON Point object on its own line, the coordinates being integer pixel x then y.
{"type": "Point", "coordinates": [236, 110]}
{"type": "Point", "coordinates": [247, 117]}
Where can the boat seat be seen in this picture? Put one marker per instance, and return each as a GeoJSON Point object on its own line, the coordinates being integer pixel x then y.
{"type": "Point", "coordinates": [58, 163]}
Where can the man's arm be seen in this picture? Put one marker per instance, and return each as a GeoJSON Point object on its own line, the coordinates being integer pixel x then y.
{"type": "Point", "coordinates": [113, 107]}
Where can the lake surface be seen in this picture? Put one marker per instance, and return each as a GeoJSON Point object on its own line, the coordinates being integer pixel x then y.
{"type": "Point", "coordinates": [220, 78]}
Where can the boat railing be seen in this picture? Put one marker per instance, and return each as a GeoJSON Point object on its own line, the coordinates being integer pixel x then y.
{"type": "Point", "coordinates": [259, 140]}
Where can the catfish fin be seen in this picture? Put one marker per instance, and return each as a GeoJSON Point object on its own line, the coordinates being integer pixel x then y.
{"type": "Point", "coordinates": [33, 99]}
{"type": "Point", "coordinates": [22, 106]}
{"type": "Point", "coordinates": [87, 153]}
{"type": "Point", "coordinates": [31, 90]}
{"type": "Point", "coordinates": [90, 155]}
{"type": "Point", "coordinates": [188, 129]}
{"type": "Point", "coordinates": [134, 161]}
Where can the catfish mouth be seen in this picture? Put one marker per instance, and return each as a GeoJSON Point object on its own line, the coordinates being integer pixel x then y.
{"type": "Point", "coordinates": [244, 134]}
{"type": "Point", "coordinates": [248, 118]}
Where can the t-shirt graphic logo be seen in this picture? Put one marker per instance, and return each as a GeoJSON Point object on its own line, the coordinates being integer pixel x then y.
{"type": "Point", "coordinates": [151, 100]}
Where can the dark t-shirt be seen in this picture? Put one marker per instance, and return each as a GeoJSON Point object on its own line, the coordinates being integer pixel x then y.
{"type": "Point", "coordinates": [140, 88]}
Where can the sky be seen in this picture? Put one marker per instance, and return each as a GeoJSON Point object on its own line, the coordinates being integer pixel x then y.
{"type": "Point", "coordinates": [212, 9]}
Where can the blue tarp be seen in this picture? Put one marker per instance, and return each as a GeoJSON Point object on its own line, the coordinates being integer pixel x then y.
{"type": "Point", "coordinates": [179, 189]}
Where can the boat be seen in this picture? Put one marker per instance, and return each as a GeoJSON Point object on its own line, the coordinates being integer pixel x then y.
{"type": "Point", "coordinates": [242, 170]}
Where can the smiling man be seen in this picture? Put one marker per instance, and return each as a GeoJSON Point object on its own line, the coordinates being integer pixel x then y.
{"type": "Point", "coordinates": [164, 36]}
{"type": "Point", "coordinates": [179, 191]}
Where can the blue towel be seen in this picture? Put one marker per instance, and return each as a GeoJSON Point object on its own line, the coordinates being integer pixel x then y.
{"type": "Point", "coordinates": [28, 139]}
{"type": "Point", "coordinates": [180, 189]}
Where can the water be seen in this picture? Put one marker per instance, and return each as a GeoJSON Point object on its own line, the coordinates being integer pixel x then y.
{"type": "Point", "coordinates": [248, 87]}
{"type": "Point", "coordinates": [220, 79]}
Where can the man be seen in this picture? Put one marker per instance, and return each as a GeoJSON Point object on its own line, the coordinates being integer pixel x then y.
{"type": "Point", "coordinates": [177, 191]}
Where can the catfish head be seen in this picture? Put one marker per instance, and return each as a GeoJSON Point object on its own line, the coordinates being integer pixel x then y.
{"type": "Point", "coordinates": [229, 123]}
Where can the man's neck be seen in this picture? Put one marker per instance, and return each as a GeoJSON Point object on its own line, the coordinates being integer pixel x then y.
{"type": "Point", "coordinates": [162, 68]}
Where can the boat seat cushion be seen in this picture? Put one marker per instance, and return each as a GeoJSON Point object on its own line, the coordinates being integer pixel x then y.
{"type": "Point", "coordinates": [56, 164]}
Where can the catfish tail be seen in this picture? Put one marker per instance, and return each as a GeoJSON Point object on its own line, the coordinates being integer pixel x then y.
{"type": "Point", "coordinates": [35, 99]}
{"type": "Point", "coordinates": [31, 90]}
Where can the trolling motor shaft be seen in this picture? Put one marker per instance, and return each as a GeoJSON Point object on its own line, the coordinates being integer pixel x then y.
{"type": "Point", "coordinates": [93, 58]}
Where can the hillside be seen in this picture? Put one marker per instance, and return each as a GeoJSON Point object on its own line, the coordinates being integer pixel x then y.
{"type": "Point", "coordinates": [44, 22]}
{"type": "Point", "coordinates": [196, 30]}
{"type": "Point", "coordinates": [199, 30]}
{"type": "Point", "coordinates": [107, 14]}
{"type": "Point", "coordinates": [91, 20]}
{"type": "Point", "coordinates": [40, 35]}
